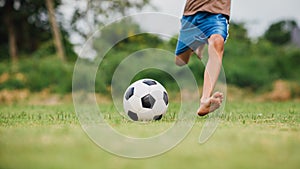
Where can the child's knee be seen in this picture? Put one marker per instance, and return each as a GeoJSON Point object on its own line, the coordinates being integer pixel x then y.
{"type": "Point", "coordinates": [217, 41]}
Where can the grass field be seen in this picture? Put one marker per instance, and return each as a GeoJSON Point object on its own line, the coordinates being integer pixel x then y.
{"type": "Point", "coordinates": [250, 135]}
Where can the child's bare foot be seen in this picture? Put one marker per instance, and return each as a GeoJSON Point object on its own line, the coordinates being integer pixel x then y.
{"type": "Point", "coordinates": [210, 104]}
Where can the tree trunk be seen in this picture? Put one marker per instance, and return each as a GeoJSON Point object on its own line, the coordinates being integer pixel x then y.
{"type": "Point", "coordinates": [12, 37]}
{"type": "Point", "coordinates": [55, 30]}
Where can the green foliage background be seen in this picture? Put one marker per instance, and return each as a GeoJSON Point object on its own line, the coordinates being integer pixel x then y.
{"type": "Point", "coordinates": [254, 65]}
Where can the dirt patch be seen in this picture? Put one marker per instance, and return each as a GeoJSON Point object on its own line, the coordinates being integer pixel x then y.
{"type": "Point", "coordinates": [4, 77]}
{"type": "Point", "coordinates": [13, 96]}
{"type": "Point", "coordinates": [282, 91]}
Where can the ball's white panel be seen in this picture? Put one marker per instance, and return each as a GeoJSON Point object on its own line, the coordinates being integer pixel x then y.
{"type": "Point", "coordinates": [146, 115]}
{"type": "Point", "coordinates": [135, 103]}
{"type": "Point", "coordinates": [159, 107]}
{"type": "Point", "coordinates": [140, 89]}
{"type": "Point", "coordinates": [143, 110]}
{"type": "Point", "coordinates": [128, 107]}
{"type": "Point", "coordinates": [158, 86]}
{"type": "Point", "coordinates": [157, 94]}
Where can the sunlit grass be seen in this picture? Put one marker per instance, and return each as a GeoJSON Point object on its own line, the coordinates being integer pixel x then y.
{"type": "Point", "coordinates": [250, 135]}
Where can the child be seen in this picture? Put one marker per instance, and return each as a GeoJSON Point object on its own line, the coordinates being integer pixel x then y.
{"type": "Point", "coordinates": [205, 22]}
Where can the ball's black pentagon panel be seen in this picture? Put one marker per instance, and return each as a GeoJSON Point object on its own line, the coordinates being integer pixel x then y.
{"type": "Point", "coordinates": [148, 101]}
{"type": "Point", "coordinates": [133, 115]}
{"type": "Point", "coordinates": [157, 117]}
{"type": "Point", "coordinates": [129, 93]}
{"type": "Point", "coordinates": [149, 82]}
{"type": "Point", "coordinates": [165, 98]}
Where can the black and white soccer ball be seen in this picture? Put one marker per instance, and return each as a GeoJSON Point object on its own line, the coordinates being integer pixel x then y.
{"type": "Point", "coordinates": [145, 100]}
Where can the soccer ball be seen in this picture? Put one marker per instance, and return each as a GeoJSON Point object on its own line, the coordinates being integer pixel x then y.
{"type": "Point", "coordinates": [145, 100]}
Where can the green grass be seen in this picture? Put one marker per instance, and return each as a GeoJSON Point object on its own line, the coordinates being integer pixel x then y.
{"type": "Point", "coordinates": [250, 135]}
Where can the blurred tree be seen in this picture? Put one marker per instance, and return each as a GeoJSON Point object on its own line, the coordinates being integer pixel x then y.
{"type": "Point", "coordinates": [27, 25]}
{"type": "Point", "coordinates": [280, 32]}
{"type": "Point", "coordinates": [7, 15]}
{"type": "Point", "coordinates": [125, 34]}
{"type": "Point", "coordinates": [119, 30]}
{"type": "Point", "coordinates": [238, 32]}
{"type": "Point", "coordinates": [55, 30]}
{"type": "Point", "coordinates": [238, 42]}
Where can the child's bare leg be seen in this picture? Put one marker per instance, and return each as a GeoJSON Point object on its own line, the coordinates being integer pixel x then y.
{"type": "Point", "coordinates": [209, 102]}
{"type": "Point", "coordinates": [199, 51]}
{"type": "Point", "coordinates": [183, 58]}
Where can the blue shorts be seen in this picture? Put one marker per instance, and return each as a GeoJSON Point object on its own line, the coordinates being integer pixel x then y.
{"type": "Point", "coordinates": [196, 29]}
